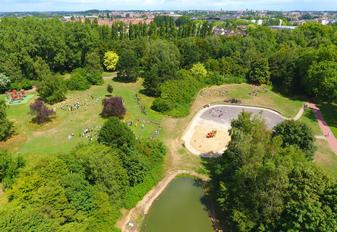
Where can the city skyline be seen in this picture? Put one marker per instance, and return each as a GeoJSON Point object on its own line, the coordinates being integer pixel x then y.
{"type": "Point", "coordinates": [81, 5]}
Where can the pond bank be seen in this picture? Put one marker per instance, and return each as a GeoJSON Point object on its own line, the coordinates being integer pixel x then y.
{"type": "Point", "coordinates": [183, 206]}
{"type": "Point", "coordinates": [129, 222]}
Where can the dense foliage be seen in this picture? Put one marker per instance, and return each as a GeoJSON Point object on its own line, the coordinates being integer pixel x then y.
{"type": "Point", "coordinates": [6, 126]}
{"type": "Point", "coordinates": [296, 133]}
{"type": "Point", "coordinates": [9, 168]}
{"type": "Point", "coordinates": [41, 112]}
{"type": "Point", "coordinates": [262, 186]}
{"type": "Point", "coordinates": [293, 60]}
{"type": "Point", "coordinates": [117, 134]}
{"type": "Point", "coordinates": [52, 89]}
{"type": "Point", "coordinates": [80, 191]}
{"type": "Point", "coordinates": [113, 107]}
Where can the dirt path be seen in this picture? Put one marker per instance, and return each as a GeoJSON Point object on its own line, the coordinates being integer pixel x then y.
{"type": "Point", "coordinates": [129, 223]}
{"type": "Point", "coordinates": [324, 127]}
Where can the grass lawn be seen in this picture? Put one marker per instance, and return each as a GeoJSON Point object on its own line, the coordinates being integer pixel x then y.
{"type": "Point", "coordinates": [329, 112]}
{"type": "Point", "coordinates": [251, 95]}
{"type": "Point", "coordinates": [309, 119]}
{"type": "Point", "coordinates": [326, 158]}
{"type": "Point", "coordinates": [52, 137]}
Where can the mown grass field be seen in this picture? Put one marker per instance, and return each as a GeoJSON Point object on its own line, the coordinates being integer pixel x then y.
{"type": "Point", "coordinates": [252, 95]}
{"type": "Point", "coordinates": [52, 137]}
{"type": "Point", "coordinates": [326, 158]}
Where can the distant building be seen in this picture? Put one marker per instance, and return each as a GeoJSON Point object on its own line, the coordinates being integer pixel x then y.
{"type": "Point", "coordinates": [283, 27]}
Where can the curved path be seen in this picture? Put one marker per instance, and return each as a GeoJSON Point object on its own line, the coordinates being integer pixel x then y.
{"type": "Point", "coordinates": [222, 115]}
{"type": "Point", "coordinates": [324, 127]}
{"type": "Point", "coordinates": [129, 222]}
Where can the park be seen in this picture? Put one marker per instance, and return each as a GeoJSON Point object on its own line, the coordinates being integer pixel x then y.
{"type": "Point", "coordinates": [102, 127]}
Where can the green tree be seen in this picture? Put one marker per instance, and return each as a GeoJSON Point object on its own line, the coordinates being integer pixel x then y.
{"type": "Point", "coordinates": [6, 126]}
{"type": "Point", "coordinates": [321, 81]}
{"type": "Point", "coordinates": [93, 61]}
{"type": "Point", "coordinates": [199, 70]}
{"type": "Point", "coordinates": [259, 73]}
{"type": "Point", "coordinates": [296, 133]}
{"type": "Point", "coordinates": [9, 168]}
{"type": "Point", "coordinates": [52, 89]}
{"type": "Point", "coordinates": [115, 133]}
{"type": "Point", "coordinates": [160, 63]}
{"type": "Point", "coordinates": [110, 60]}
{"type": "Point", "coordinates": [78, 80]}
{"type": "Point", "coordinates": [128, 66]}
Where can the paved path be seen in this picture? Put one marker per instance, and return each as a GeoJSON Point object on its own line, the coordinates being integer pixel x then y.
{"type": "Point", "coordinates": [324, 127]}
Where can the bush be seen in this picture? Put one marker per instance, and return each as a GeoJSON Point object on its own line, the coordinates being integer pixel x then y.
{"type": "Point", "coordinates": [6, 127]}
{"type": "Point", "coordinates": [41, 112]}
{"type": "Point", "coordinates": [109, 88]}
{"type": "Point", "coordinates": [115, 133]}
{"type": "Point", "coordinates": [94, 76]}
{"type": "Point", "coordinates": [9, 168]}
{"type": "Point", "coordinates": [24, 84]}
{"type": "Point", "coordinates": [78, 80]}
{"type": "Point", "coordinates": [113, 107]}
{"type": "Point", "coordinates": [177, 95]}
{"type": "Point", "coordinates": [52, 89]}
{"type": "Point", "coordinates": [162, 105]}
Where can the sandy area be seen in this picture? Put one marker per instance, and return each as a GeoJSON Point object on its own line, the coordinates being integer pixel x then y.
{"type": "Point", "coordinates": [205, 145]}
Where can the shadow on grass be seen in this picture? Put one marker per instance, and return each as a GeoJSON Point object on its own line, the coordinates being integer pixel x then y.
{"type": "Point", "coordinates": [329, 111]}
{"type": "Point", "coordinates": [124, 79]}
{"type": "Point", "coordinates": [296, 97]}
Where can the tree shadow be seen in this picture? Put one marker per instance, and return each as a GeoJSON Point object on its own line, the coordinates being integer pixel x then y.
{"type": "Point", "coordinates": [296, 97]}
{"type": "Point", "coordinates": [329, 111]}
{"type": "Point", "coordinates": [124, 80]}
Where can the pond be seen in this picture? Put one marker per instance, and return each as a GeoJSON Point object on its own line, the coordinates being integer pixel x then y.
{"type": "Point", "coordinates": [180, 208]}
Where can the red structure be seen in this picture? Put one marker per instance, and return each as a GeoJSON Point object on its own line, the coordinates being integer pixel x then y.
{"type": "Point", "coordinates": [17, 95]}
{"type": "Point", "coordinates": [211, 134]}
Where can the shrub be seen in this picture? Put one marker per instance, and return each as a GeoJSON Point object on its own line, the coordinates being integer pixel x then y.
{"type": "Point", "coordinates": [115, 133]}
{"type": "Point", "coordinates": [4, 82]}
{"type": "Point", "coordinates": [78, 80]}
{"type": "Point", "coordinates": [162, 105]}
{"type": "Point", "coordinates": [6, 127]}
{"type": "Point", "coordinates": [41, 112]}
{"type": "Point", "coordinates": [113, 107]}
{"type": "Point", "coordinates": [177, 95]}
{"type": "Point", "coordinates": [24, 84]}
{"type": "Point", "coordinates": [110, 89]}
{"type": "Point", "coordinates": [9, 168]}
{"type": "Point", "coordinates": [52, 89]}
{"type": "Point", "coordinates": [94, 76]}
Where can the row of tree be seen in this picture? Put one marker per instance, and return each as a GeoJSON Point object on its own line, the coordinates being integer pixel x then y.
{"type": "Point", "coordinates": [298, 61]}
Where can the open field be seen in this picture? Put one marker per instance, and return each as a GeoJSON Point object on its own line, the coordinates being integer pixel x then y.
{"type": "Point", "coordinates": [52, 137]}
{"type": "Point", "coordinates": [326, 158]}
{"type": "Point", "coordinates": [251, 95]}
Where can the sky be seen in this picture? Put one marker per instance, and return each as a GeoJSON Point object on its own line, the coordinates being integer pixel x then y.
{"type": "Point", "coordinates": [79, 5]}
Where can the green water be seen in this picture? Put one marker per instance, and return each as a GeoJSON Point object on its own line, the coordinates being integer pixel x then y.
{"type": "Point", "coordinates": [179, 208]}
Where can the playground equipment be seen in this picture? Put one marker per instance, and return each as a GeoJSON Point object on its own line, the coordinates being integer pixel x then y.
{"type": "Point", "coordinates": [16, 96]}
{"type": "Point", "coordinates": [211, 134]}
